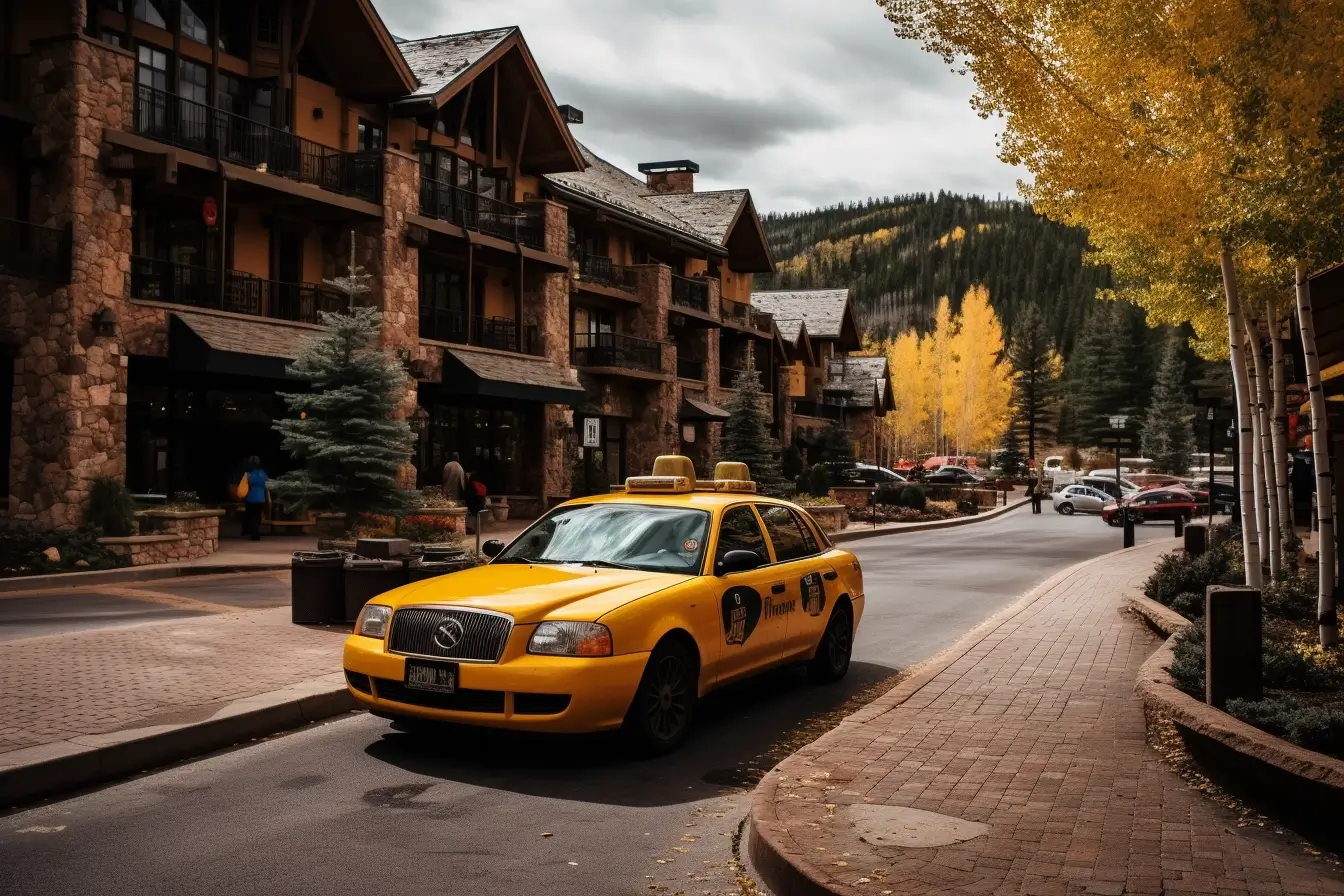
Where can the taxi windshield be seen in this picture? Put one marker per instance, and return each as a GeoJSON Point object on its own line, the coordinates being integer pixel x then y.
{"type": "Point", "coordinates": [648, 537]}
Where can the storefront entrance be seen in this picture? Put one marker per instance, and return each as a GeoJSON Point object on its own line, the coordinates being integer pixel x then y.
{"type": "Point", "coordinates": [500, 445]}
{"type": "Point", "coordinates": [194, 431]}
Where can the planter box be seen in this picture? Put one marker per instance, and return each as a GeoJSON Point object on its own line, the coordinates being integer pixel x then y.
{"type": "Point", "coordinates": [831, 517]}
{"type": "Point", "coordinates": [457, 516]}
{"type": "Point", "coordinates": [178, 536]}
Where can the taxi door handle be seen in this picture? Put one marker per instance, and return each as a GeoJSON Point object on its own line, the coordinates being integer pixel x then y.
{"type": "Point", "coordinates": [830, 575]}
{"type": "Point", "coordinates": [777, 588]}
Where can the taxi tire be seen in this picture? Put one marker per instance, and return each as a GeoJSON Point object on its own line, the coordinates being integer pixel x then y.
{"type": "Point", "coordinates": [831, 661]}
{"type": "Point", "coordinates": [660, 715]}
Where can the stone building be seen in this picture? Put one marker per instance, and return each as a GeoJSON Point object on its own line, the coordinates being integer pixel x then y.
{"type": "Point", "coordinates": [182, 176]}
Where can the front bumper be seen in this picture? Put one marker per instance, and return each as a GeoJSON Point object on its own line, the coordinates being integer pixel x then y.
{"type": "Point", "coordinates": [521, 691]}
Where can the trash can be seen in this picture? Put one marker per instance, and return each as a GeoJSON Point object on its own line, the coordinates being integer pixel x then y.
{"type": "Point", "coordinates": [443, 555]}
{"type": "Point", "coordinates": [317, 587]}
{"type": "Point", "coordinates": [433, 569]}
{"type": "Point", "coordinates": [366, 579]}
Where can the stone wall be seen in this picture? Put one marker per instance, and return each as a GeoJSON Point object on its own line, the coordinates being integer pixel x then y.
{"type": "Point", "coordinates": [176, 537]}
{"type": "Point", "coordinates": [69, 406]}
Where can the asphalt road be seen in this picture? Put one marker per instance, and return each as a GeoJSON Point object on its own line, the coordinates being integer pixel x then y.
{"type": "Point", "coordinates": [352, 807]}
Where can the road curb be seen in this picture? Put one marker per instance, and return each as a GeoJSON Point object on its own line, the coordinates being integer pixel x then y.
{"type": "Point", "coordinates": [786, 871]}
{"type": "Point", "coordinates": [854, 533]}
{"type": "Point", "coordinates": [69, 580]}
{"type": "Point", "coordinates": [35, 773]}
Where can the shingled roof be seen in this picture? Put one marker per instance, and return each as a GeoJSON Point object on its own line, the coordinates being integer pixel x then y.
{"type": "Point", "coordinates": [262, 336]}
{"type": "Point", "coordinates": [823, 310]}
{"type": "Point", "coordinates": [711, 213]}
{"type": "Point", "coordinates": [610, 185]}
{"type": "Point", "coordinates": [868, 379]}
{"type": "Point", "coordinates": [438, 61]}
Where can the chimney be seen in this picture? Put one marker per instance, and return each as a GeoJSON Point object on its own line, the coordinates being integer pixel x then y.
{"type": "Point", "coordinates": [570, 115]}
{"type": "Point", "coordinates": [670, 177]}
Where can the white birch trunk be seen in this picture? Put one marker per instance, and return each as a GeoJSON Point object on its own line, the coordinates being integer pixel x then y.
{"type": "Point", "coordinates": [1320, 451]}
{"type": "Point", "coordinates": [1270, 539]}
{"type": "Point", "coordinates": [1250, 534]}
{"type": "Point", "coordinates": [1279, 430]}
{"type": "Point", "coordinates": [1257, 454]}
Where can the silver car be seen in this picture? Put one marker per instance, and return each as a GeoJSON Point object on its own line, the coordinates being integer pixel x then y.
{"type": "Point", "coordinates": [1080, 499]}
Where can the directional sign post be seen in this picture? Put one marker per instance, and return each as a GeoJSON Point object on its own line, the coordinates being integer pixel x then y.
{"type": "Point", "coordinates": [1120, 439]}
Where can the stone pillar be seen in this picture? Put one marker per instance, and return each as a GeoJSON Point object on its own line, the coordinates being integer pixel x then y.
{"type": "Point", "coordinates": [69, 402]}
{"type": "Point", "coordinates": [546, 307]}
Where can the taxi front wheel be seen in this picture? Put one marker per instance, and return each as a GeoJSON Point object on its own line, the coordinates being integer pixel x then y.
{"type": "Point", "coordinates": [837, 644]}
{"type": "Point", "coordinates": [659, 717]}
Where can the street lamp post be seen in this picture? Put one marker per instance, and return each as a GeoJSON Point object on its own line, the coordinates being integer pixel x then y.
{"type": "Point", "coordinates": [1212, 506]}
{"type": "Point", "coordinates": [1118, 423]}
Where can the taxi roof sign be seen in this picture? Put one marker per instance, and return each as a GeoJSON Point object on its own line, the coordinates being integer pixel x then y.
{"type": "Point", "coordinates": [674, 465]}
{"type": "Point", "coordinates": [731, 470]}
{"type": "Point", "coordinates": [659, 485]}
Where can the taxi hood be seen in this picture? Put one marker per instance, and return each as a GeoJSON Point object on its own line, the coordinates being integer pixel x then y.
{"type": "Point", "coordinates": [533, 592]}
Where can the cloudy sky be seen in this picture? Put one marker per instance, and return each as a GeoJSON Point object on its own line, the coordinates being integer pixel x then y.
{"type": "Point", "coordinates": [806, 102]}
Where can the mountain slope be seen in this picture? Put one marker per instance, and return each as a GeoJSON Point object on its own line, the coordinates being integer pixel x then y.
{"type": "Point", "coordinates": [899, 254]}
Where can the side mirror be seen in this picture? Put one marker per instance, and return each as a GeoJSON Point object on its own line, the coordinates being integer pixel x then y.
{"type": "Point", "coordinates": [739, 561]}
{"type": "Point", "coordinates": [492, 548]}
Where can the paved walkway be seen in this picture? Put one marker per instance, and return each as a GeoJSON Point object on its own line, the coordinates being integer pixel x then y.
{"type": "Point", "coordinates": [1028, 726]}
{"type": "Point", "coordinates": [65, 687]}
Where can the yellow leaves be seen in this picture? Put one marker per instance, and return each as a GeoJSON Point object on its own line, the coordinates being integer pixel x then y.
{"type": "Point", "coordinates": [957, 235]}
{"type": "Point", "coordinates": [833, 252]}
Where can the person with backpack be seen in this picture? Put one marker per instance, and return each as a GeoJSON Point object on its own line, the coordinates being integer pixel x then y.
{"type": "Point", "coordinates": [475, 493]}
{"type": "Point", "coordinates": [254, 491]}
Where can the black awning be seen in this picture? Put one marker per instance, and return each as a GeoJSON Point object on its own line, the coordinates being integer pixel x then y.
{"type": "Point", "coordinates": [693, 409]}
{"type": "Point", "coordinates": [507, 377]}
{"type": "Point", "coordinates": [206, 344]}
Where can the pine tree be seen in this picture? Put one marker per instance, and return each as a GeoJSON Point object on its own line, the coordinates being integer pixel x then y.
{"type": "Point", "coordinates": [1038, 367]}
{"type": "Point", "coordinates": [1168, 429]}
{"type": "Point", "coordinates": [1108, 374]}
{"type": "Point", "coordinates": [1011, 459]}
{"type": "Point", "coordinates": [343, 431]}
{"type": "Point", "coordinates": [746, 432]}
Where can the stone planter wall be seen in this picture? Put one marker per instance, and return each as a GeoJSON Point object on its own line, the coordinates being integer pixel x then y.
{"type": "Point", "coordinates": [457, 516]}
{"type": "Point", "coordinates": [831, 517]}
{"type": "Point", "coordinates": [177, 536]}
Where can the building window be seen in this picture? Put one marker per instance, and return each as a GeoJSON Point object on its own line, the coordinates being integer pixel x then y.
{"type": "Point", "coordinates": [151, 78]}
{"type": "Point", "coordinates": [152, 68]}
{"type": "Point", "coordinates": [194, 15]}
{"type": "Point", "coordinates": [193, 82]}
{"type": "Point", "coordinates": [370, 137]}
{"type": "Point", "coordinates": [108, 36]}
{"type": "Point", "coordinates": [268, 22]}
{"type": "Point", "coordinates": [259, 109]}
{"type": "Point", "coordinates": [152, 12]}
{"type": "Point", "coordinates": [231, 96]}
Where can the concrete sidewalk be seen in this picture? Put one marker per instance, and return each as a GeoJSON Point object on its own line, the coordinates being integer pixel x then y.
{"type": "Point", "coordinates": [1016, 762]}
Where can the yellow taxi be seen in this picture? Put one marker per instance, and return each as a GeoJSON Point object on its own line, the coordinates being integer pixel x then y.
{"type": "Point", "coordinates": [615, 611]}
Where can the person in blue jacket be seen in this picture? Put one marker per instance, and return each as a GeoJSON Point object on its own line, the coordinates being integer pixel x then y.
{"type": "Point", "coordinates": [255, 502]}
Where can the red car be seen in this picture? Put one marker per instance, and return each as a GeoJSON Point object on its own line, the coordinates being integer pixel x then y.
{"type": "Point", "coordinates": [1158, 504]}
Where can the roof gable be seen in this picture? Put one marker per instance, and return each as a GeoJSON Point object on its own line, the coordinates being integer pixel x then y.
{"type": "Point", "coordinates": [868, 379]}
{"type": "Point", "coordinates": [827, 312]}
{"type": "Point", "coordinates": [728, 217]}
{"type": "Point", "coordinates": [348, 38]}
{"type": "Point", "coordinates": [439, 61]}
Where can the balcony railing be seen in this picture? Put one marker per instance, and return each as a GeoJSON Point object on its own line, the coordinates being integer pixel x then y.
{"type": "Point", "coordinates": [690, 368]}
{"type": "Point", "coordinates": [499, 333]}
{"type": "Point", "coordinates": [599, 269]}
{"type": "Point", "coordinates": [462, 207]}
{"type": "Point", "coordinates": [186, 284]}
{"type": "Point", "coordinates": [615, 350]}
{"type": "Point", "coordinates": [745, 315]}
{"type": "Point", "coordinates": [33, 251]}
{"type": "Point", "coordinates": [689, 293]}
{"type": "Point", "coordinates": [818, 409]}
{"type": "Point", "coordinates": [178, 121]}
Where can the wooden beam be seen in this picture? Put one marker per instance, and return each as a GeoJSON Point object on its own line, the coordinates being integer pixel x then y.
{"type": "Point", "coordinates": [303, 29]}
{"type": "Point", "coordinates": [462, 119]}
{"type": "Point", "coordinates": [223, 225]}
{"type": "Point", "coordinates": [282, 101]}
{"type": "Point", "coordinates": [214, 58]}
{"type": "Point", "coordinates": [494, 115]}
{"type": "Point", "coordinates": [522, 135]}
{"type": "Point", "coordinates": [471, 291]}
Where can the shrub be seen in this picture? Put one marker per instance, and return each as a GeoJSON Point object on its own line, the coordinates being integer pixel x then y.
{"type": "Point", "coordinates": [184, 501]}
{"type": "Point", "coordinates": [1315, 726]}
{"type": "Point", "coordinates": [22, 545]}
{"type": "Point", "coordinates": [1187, 663]}
{"type": "Point", "coordinates": [376, 526]}
{"type": "Point", "coordinates": [427, 529]}
{"type": "Point", "coordinates": [1189, 604]}
{"type": "Point", "coordinates": [913, 496]}
{"type": "Point", "coordinates": [1297, 663]}
{"type": "Point", "coordinates": [814, 499]}
{"type": "Point", "coordinates": [791, 462]}
{"type": "Point", "coordinates": [818, 481]}
{"type": "Point", "coordinates": [110, 508]}
{"type": "Point", "coordinates": [1180, 573]}
{"type": "Point", "coordinates": [1293, 598]}
{"type": "Point", "coordinates": [432, 496]}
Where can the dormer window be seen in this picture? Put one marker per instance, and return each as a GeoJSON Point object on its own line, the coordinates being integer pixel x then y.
{"type": "Point", "coordinates": [194, 13]}
{"type": "Point", "coordinates": [152, 12]}
{"type": "Point", "coordinates": [268, 22]}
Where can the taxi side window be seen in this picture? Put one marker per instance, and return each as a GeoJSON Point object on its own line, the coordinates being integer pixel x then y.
{"type": "Point", "coordinates": [784, 532]}
{"type": "Point", "coordinates": [739, 531]}
{"type": "Point", "coordinates": [809, 540]}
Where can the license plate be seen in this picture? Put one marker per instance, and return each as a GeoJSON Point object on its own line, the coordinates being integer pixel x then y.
{"type": "Point", "coordinates": [424, 676]}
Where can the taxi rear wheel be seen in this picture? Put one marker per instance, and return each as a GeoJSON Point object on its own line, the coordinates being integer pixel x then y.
{"type": "Point", "coordinates": [660, 716]}
{"type": "Point", "coordinates": [837, 644]}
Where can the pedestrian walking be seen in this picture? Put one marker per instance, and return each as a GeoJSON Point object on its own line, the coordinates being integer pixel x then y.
{"type": "Point", "coordinates": [1034, 493]}
{"type": "Point", "coordinates": [454, 479]}
{"type": "Point", "coordinates": [258, 496]}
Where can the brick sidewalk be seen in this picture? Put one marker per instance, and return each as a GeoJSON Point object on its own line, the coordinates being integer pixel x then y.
{"type": "Point", "coordinates": [1030, 726]}
{"type": "Point", "coordinates": [58, 687]}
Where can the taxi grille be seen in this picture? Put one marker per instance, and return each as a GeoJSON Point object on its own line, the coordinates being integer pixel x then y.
{"type": "Point", "coordinates": [480, 637]}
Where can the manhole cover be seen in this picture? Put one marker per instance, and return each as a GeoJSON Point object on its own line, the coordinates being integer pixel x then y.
{"type": "Point", "coordinates": [910, 828]}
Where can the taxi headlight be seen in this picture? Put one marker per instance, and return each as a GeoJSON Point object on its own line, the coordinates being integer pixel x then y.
{"type": "Point", "coordinates": [571, 639]}
{"type": "Point", "coordinates": [372, 621]}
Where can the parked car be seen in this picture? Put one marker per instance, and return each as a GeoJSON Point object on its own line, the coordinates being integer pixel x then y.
{"type": "Point", "coordinates": [853, 475]}
{"type": "Point", "coordinates": [1108, 485]}
{"type": "Point", "coordinates": [1159, 504]}
{"type": "Point", "coordinates": [1224, 494]}
{"type": "Point", "coordinates": [950, 475]}
{"type": "Point", "coordinates": [965, 461]}
{"type": "Point", "coordinates": [1080, 499]}
{"type": "Point", "coordinates": [1146, 481]}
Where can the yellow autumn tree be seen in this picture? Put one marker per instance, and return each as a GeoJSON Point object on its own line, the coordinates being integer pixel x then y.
{"type": "Point", "coordinates": [909, 429]}
{"type": "Point", "coordinates": [977, 400]}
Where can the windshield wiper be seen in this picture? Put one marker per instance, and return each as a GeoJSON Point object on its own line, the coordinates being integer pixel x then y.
{"type": "Point", "coordinates": [603, 563]}
{"type": "Point", "coordinates": [529, 560]}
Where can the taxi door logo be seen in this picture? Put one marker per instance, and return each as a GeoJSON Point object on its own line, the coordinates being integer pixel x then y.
{"type": "Point", "coordinates": [741, 612]}
{"type": "Point", "coordinates": [814, 594]}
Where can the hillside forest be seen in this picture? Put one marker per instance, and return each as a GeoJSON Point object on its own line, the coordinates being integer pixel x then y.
{"type": "Point", "coordinates": [905, 257]}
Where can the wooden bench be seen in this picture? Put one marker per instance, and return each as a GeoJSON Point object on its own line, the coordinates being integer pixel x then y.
{"type": "Point", "coordinates": [293, 527]}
